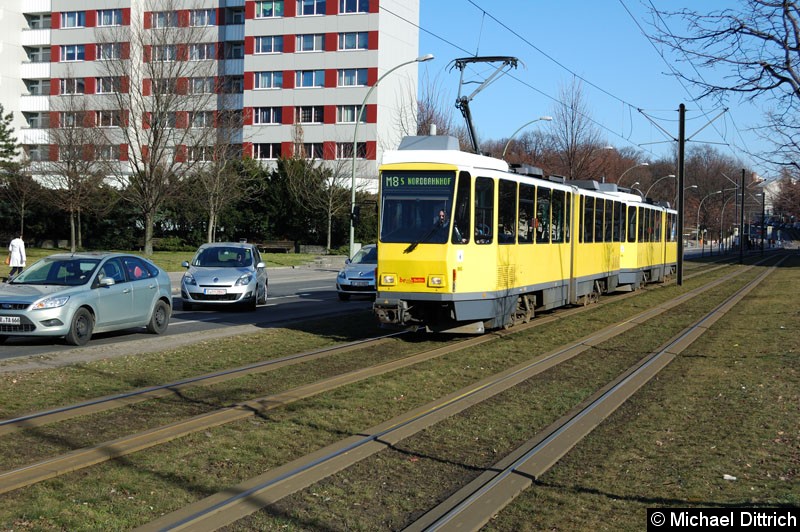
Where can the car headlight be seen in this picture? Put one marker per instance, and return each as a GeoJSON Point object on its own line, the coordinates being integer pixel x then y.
{"type": "Point", "coordinates": [50, 302]}
{"type": "Point", "coordinates": [244, 280]}
{"type": "Point", "coordinates": [342, 275]}
{"type": "Point", "coordinates": [189, 279]}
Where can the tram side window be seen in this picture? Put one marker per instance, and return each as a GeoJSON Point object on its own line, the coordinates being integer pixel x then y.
{"type": "Point", "coordinates": [599, 216]}
{"type": "Point", "coordinates": [543, 204]}
{"type": "Point", "coordinates": [568, 213]}
{"type": "Point", "coordinates": [507, 212]}
{"type": "Point", "coordinates": [673, 227]}
{"type": "Point", "coordinates": [461, 225]}
{"type": "Point", "coordinates": [642, 224]}
{"type": "Point", "coordinates": [484, 210]}
{"type": "Point", "coordinates": [608, 232]}
{"type": "Point", "coordinates": [587, 220]}
{"type": "Point", "coordinates": [659, 223]}
{"type": "Point", "coordinates": [557, 228]}
{"type": "Point", "coordinates": [527, 197]}
{"type": "Point", "coordinates": [619, 226]}
{"type": "Point", "coordinates": [631, 224]}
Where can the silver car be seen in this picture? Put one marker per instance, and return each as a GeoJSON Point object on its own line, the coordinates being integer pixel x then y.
{"type": "Point", "coordinates": [358, 275]}
{"type": "Point", "coordinates": [76, 294]}
{"type": "Point", "coordinates": [225, 273]}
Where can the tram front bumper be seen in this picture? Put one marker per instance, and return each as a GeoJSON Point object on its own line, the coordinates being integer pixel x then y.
{"type": "Point", "coordinates": [392, 311]}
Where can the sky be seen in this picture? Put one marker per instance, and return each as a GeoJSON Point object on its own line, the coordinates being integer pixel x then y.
{"type": "Point", "coordinates": [631, 95]}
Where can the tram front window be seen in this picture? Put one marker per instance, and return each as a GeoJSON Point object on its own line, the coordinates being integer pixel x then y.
{"type": "Point", "coordinates": [416, 206]}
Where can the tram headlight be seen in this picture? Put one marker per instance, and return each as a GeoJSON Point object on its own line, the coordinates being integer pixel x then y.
{"type": "Point", "coordinates": [388, 279]}
{"type": "Point", "coordinates": [436, 281]}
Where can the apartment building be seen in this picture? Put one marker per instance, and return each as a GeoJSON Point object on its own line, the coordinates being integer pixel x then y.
{"type": "Point", "coordinates": [294, 72]}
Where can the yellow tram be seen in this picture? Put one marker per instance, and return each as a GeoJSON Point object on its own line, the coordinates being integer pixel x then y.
{"type": "Point", "coordinates": [468, 244]}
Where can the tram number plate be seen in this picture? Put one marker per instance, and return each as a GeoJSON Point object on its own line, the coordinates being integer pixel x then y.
{"type": "Point", "coordinates": [9, 320]}
{"type": "Point", "coordinates": [360, 283]}
{"type": "Point", "coordinates": [214, 291]}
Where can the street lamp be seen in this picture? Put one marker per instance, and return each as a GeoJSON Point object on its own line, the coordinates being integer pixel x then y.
{"type": "Point", "coordinates": [684, 189]}
{"type": "Point", "coordinates": [619, 180]}
{"type": "Point", "coordinates": [420, 59]}
{"type": "Point", "coordinates": [698, 217]}
{"type": "Point", "coordinates": [541, 118]}
{"type": "Point", "coordinates": [580, 163]}
{"type": "Point", "coordinates": [656, 182]}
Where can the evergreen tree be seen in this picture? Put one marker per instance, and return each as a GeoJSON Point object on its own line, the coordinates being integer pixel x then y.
{"type": "Point", "coordinates": [8, 142]}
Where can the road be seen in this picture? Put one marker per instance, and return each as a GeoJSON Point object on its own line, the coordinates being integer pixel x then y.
{"type": "Point", "coordinates": [294, 294]}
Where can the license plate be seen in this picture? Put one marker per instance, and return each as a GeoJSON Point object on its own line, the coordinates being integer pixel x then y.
{"type": "Point", "coordinates": [9, 320]}
{"type": "Point", "coordinates": [360, 283]}
{"type": "Point", "coordinates": [214, 291]}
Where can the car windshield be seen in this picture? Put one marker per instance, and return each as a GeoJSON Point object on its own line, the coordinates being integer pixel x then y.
{"type": "Point", "coordinates": [366, 256]}
{"type": "Point", "coordinates": [69, 271]}
{"type": "Point", "coordinates": [223, 257]}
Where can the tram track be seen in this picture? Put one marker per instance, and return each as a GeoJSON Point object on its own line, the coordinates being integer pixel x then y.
{"type": "Point", "coordinates": [234, 503]}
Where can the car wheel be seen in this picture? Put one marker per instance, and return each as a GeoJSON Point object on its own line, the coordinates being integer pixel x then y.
{"type": "Point", "coordinates": [80, 331]}
{"type": "Point", "coordinates": [253, 302]}
{"type": "Point", "coordinates": [262, 300]}
{"type": "Point", "coordinates": [344, 297]}
{"type": "Point", "coordinates": [159, 320]}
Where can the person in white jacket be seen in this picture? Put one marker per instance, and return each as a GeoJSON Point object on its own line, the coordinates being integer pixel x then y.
{"type": "Point", "coordinates": [16, 250]}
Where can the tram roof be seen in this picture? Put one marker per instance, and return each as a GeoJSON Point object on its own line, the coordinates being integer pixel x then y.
{"type": "Point", "coordinates": [439, 149]}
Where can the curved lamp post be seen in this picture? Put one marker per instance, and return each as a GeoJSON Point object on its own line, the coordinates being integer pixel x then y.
{"type": "Point", "coordinates": [656, 182]}
{"type": "Point", "coordinates": [420, 59]}
{"type": "Point", "coordinates": [619, 180]}
{"type": "Point", "coordinates": [698, 216]}
{"type": "Point", "coordinates": [541, 118]}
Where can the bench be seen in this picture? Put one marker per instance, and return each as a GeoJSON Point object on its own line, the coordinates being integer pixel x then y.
{"type": "Point", "coordinates": [276, 246]}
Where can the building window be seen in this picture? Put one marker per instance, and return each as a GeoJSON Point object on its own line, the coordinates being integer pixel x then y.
{"type": "Point", "coordinates": [165, 52]}
{"type": "Point", "coordinates": [353, 6]}
{"type": "Point", "coordinates": [200, 119]}
{"type": "Point", "coordinates": [311, 114]}
{"type": "Point", "coordinates": [234, 15]}
{"type": "Point", "coordinates": [108, 152]}
{"type": "Point", "coordinates": [203, 17]}
{"type": "Point", "coordinates": [234, 50]}
{"type": "Point", "coordinates": [344, 150]}
{"type": "Point", "coordinates": [310, 7]}
{"type": "Point", "coordinates": [312, 42]}
{"type": "Point", "coordinates": [107, 119]}
{"type": "Point", "coordinates": [164, 85]}
{"type": "Point", "coordinates": [232, 84]}
{"type": "Point", "coordinates": [37, 120]}
{"type": "Point", "coordinates": [70, 152]}
{"type": "Point", "coordinates": [38, 55]}
{"type": "Point", "coordinates": [270, 44]}
{"type": "Point", "coordinates": [201, 153]}
{"type": "Point", "coordinates": [37, 152]}
{"type": "Point", "coordinates": [73, 19]}
{"type": "Point", "coordinates": [107, 85]}
{"type": "Point", "coordinates": [346, 114]}
{"type": "Point", "coordinates": [109, 17]}
{"type": "Point", "coordinates": [74, 52]}
{"type": "Point", "coordinates": [310, 79]}
{"type": "Point", "coordinates": [109, 50]}
{"type": "Point", "coordinates": [309, 150]}
{"type": "Point", "coordinates": [266, 151]}
{"type": "Point", "coordinates": [268, 80]}
{"type": "Point", "coordinates": [165, 19]}
{"type": "Point", "coordinates": [267, 115]}
{"type": "Point", "coordinates": [69, 119]}
{"type": "Point", "coordinates": [202, 51]}
{"type": "Point", "coordinates": [72, 86]}
{"type": "Point", "coordinates": [357, 40]}
{"type": "Point", "coordinates": [269, 9]}
{"type": "Point", "coordinates": [353, 77]}
{"type": "Point", "coordinates": [204, 85]}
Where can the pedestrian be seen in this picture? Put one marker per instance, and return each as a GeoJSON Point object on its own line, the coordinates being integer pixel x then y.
{"type": "Point", "coordinates": [16, 254]}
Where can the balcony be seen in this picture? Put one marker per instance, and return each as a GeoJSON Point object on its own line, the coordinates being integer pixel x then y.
{"type": "Point", "coordinates": [34, 70]}
{"type": "Point", "coordinates": [233, 32]}
{"type": "Point", "coordinates": [35, 38]}
{"type": "Point", "coordinates": [33, 136]}
{"type": "Point", "coordinates": [37, 6]}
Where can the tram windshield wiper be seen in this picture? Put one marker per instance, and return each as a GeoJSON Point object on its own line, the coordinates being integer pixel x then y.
{"type": "Point", "coordinates": [426, 237]}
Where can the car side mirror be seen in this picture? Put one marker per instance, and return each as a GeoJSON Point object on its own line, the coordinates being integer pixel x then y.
{"type": "Point", "coordinates": [347, 261]}
{"type": "Point", "coordinates": [185, 264]}
{"type": "Point", "coordinates": [260, 265]}
{"type": "Point", "coordinates": [107, 281]}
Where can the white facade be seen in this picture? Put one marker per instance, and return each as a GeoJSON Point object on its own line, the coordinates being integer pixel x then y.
{"type": "Point", "coordinates": [325, 56]}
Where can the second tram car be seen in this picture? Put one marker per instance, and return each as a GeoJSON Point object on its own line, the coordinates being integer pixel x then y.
{"type": "Point", "coordinates": [468, 244]}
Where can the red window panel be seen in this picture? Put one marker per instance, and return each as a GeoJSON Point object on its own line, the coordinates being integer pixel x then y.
{"type": "Point", "coordinates": [124, 85]}
{"type": "Point", "coordinates": [147, 87]}
{"type": "Point", "coordinates": [290, 9]}
{"type": "Point", "coordinates": [330, 78]}
{"type": "Point", "coordinates": [55, 118]}
{"type": "Point", "coordinates": [148, 20]}
{"type": "Point", "coordinates": [91, 18]}
{"type": "Point", "coordinates": [374, 6]}
{"type": "Point", "coordinates": [125, 118]}
{"type": "Point", "coordinates": [182, 86]}
{"type": "Point", "coordinates": [287, 148]}
{"type": "Point", "coordinates": [147, 53]}
{"type": "Point", "coordinates": [329, 150]}
{"type": "Point", "coordinates": [55, 20]}
{"type": "Point", "coordinates": [182, 52]}
{"type": "Point", "coordinates": [87, 152]}
{"type": "Point", "coordinates": [372, 40]}
{"type": "Point", "coordinates": [329, 115]}
{"type": "Point", "coordinates": [372, 76]}
{"type": "Point", "coordinates": [250, 9]}
{"type": "Point", "coordinates": [288, 116]}
{"type": "Point", "coordinates": [372, 150]}
{"type": "Point", "coordinates": [180, 153]}
{"type": "Point", "coordinates": [182, 119]}
{"type": "Point", "coordinates": [55, 84]}
{"type": "Point", "coordinates": [288, 43]}
{"type": "Point", "coordinates": [183, 18]}
{"type": "Point", "coordinates": [247, 150]}
{"type": "Point", "coordinates": [89, 119]}
{"type": "Point", "coordinates": [125, 50]}
{"type": "Point", "coordinates": [123, 152]}
{"type": "Point", "coordinates": [332, 7]}
{"type": "Point", "coordinates": [146, 118]}
{"type": "Point", "coordinates": [247, 116]}
{"type": "Point", "coordinates": [288, 79]}
{"type": "Point", "coordinates": [126, 17]}
{"type": "Point", "coordinates": [220, 16]}
{"type": "Point", "coordinates": [55, 54]}
{"type": "Point", "coordinates": [88, 85]}
{"type": "Point", "coordinates": [145, 151]}
{"type": "Point", "coordinates": [372, 113]}
{"type": "Point", "coordinates": [249, 80]}
{"type": "Point", "coordinates": [90, 51]}
{"type": "Point", "coordinates": [249, 44]}
{"type": "Point", "coordinates": [54, 152]}
{"type": "Point", "coordinates": [331, 42]}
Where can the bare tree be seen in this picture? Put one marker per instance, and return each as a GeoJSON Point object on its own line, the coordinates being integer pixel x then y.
{"type": "Point", "coordinates": [165, 69]}
{"type": "Point", "coordinates": [575, 136]}
{"type": "Point", "coordinates": [19, 189]}
{"type": "Point", "coordinates": [749, 49]}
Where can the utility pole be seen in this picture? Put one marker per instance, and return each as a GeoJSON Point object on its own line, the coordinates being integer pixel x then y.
{"type": "Point", "coordinates": [681, 157]}
{"type": "Point", "coordinates": [741, 225]}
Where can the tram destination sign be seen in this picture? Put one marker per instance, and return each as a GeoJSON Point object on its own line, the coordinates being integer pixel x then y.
{"type": "Point", "coordinates": [408, 181]}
